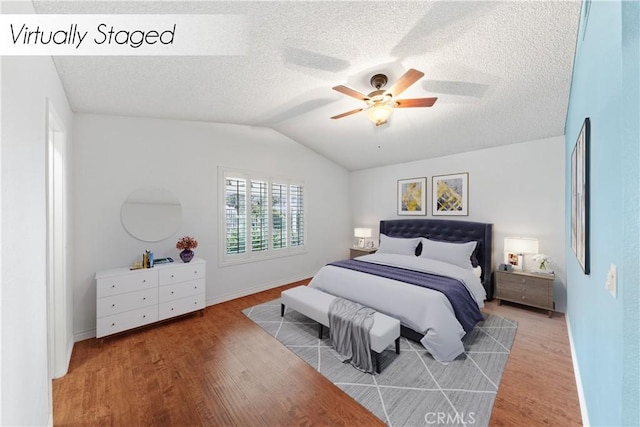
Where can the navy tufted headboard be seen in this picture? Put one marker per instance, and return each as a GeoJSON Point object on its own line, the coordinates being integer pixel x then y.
{"type": "Point", "coordinates": [449, 231]}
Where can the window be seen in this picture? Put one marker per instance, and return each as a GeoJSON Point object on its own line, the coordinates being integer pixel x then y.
{"type": "Point", "coordinates": [267, 213]}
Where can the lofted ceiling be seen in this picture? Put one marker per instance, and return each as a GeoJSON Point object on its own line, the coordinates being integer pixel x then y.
{"type": "Point", "coordinates": [501, 71]}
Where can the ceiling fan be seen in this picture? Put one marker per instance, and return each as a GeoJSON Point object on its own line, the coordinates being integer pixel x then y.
{"type": "Point", "coordinates": [380, 103]}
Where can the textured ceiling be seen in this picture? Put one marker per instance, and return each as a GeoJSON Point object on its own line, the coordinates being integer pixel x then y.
{"type": "Point", "coordinates": [501, 71]}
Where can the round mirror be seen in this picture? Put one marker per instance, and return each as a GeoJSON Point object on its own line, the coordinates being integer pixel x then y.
{"type": "Point", "coordinates": [151, 214]}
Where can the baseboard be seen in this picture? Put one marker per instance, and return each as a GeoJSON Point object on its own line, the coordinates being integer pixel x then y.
{"type": "Point", "coordinates": [84, 335]}
{"type": "Point", "coordinates": [576, 372]}
{"type": "Point", "coordinates": [256, 289]}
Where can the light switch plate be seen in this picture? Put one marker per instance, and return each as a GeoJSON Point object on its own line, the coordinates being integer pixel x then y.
{"type": "Point", "coordinates": [612, 280]}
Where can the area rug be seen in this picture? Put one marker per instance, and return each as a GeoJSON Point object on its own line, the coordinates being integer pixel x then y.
{"type": "Point", "coordinates": [413, 388]}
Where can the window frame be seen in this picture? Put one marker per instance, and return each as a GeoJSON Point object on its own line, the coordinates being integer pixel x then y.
{"type": "Point", "coordinates": [225, 259]}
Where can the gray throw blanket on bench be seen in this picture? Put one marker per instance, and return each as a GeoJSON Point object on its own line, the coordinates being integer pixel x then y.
{"type": "Point", "coordinates": [349, 326]}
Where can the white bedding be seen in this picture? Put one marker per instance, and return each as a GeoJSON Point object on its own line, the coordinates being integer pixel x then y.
{"type": "Point", "coordinates": [424, 310]}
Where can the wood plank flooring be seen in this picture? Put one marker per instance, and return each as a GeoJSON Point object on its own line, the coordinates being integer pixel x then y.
{"type": "Point", "coordinates": [222, 369]}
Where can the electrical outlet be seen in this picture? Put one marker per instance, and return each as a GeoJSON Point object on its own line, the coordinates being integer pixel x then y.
{"type": "Point", "coordinates": [612, 280]}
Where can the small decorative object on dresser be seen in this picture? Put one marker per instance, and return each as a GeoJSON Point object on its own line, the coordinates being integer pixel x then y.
{"type": "Point", "coordinates": [527, 288]}
{"type": "Point", "coordinates": [186, 243]}
{"type": "Point", "coordinates": [127, 299]}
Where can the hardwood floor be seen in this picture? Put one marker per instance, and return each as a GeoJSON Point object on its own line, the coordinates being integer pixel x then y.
{"type": "Point", "coordinates": [222, 369]}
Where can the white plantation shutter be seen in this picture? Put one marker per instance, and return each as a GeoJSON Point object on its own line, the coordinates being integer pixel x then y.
{"type": "Point", "coordinates": [259, 216]}
{"type": "Point", "coordinates": [279, 215]}
{"type": "Point", "coordinates": [236, 215]}
{"type": "Point", "coordinates": [297, 215]}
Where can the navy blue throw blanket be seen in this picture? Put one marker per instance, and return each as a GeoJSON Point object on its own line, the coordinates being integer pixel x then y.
{"type": "Point", "coordinates": [464, 306]}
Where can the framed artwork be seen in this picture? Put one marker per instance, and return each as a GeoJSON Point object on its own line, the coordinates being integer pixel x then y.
{"type": "Point", "coordinates": [450, 194]}
{"type": "Point", "coordinates": [412, 196]}
{"type": "Point", "coordinates": [514, 260]}
{"type": "Point", "coordinates": [580, 197]}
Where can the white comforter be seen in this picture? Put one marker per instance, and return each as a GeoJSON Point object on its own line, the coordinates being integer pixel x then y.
{"type": "Point", "coordinates": [424, 310]}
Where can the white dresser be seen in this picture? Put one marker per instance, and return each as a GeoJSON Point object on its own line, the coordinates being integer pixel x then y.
{"type": "Point", "coordinates": [128, 299]}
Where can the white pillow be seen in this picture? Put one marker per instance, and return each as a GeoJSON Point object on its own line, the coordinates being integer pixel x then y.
{"type": "Point", "coordinates": [395, 245]}
{"type": "Point", "coordinates": [477, 271]}
{"type": "Point", "coordinates": [453, 253]}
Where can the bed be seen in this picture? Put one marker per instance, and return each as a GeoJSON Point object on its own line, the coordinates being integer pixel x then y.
{"type": "Point", "coordinates": [426, 315]}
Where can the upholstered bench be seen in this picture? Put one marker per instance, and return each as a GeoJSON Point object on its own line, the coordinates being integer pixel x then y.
{"type": "Point", "coordinates": [314, 304]}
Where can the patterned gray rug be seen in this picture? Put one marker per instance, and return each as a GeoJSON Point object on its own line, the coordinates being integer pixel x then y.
{"type": "Point", "coordinates": [413, 388]}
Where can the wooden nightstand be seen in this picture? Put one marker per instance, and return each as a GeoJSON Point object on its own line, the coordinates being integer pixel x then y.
{"type": "Point", "coordinates": [527, 288]}
{"type": "Point", "coordinates": [356, 252]}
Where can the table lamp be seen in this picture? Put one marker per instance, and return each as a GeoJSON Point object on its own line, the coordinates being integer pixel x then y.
{"type": "Point", "coordinates": [362, 234]}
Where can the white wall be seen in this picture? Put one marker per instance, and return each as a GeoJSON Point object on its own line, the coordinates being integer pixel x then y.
{"type": "Point", "coordinates": [115, 155]}
{"type": "Point", "coordinates": [519, 188]}
{"type": "Point", "coordinates": [27, 82]}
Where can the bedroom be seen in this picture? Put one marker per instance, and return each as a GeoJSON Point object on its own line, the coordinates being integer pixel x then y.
{"type": "Point", "coordinates": [110, 159]}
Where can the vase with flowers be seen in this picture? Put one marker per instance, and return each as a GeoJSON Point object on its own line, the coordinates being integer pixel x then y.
{"type": "Point", "coordinates": [543, 263]}
{"type": "Point", "coordinates": [186, 244]}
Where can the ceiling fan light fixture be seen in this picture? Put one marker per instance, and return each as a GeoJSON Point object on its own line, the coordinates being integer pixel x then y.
{"type": "Point", "coordinates": [379, 114]}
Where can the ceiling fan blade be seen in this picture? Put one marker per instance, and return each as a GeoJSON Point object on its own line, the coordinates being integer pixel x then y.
{"type": "Point", "coordinates": [348, 113]}
{"type": "Point", "coordinates": [415, 102]}
{"type": "Point", "coordinates": [353, 93]}
{"type": "Point", "coordinates": [410, 77]}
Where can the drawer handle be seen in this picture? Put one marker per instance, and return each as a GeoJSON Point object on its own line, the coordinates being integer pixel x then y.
{"type": "Point", "coordinates": [113, 305]}
{"type": "Point", "coordinates": [195, 287]}
{"type": "Point", "coordinates": [144, 280]}
{"type": "Point", "coordinates": [171, 292]}
{"type": "Point", "coordinates": [172, 275]}
{"type": "Point", "coordinates": [171, 308]}
{"type": "Point", "coordinates": [195, 271]}
{"type": "Point", "coordinates": [113, 324]}
{"type": "Point", "coordinates": [196, 302]}
{"type": "Point", "coordinates": [113, 286]}
{"type": "Point", "coordinates": [144, 298]}
{"type": "Point", "coordinates": [144, 316]}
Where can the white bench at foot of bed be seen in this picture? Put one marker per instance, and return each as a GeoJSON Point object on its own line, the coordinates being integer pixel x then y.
{"type": "Point", "coordinates": [315, 305]}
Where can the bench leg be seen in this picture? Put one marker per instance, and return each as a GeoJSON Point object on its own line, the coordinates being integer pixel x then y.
{"type": "Point", "coordinates": [281, 310]}
{"type": "Point", "coordinates": [377, 357]}
{"type": "Point", "coordinates": [398, 345]}
{"type": "Point", "coordinates": [320, 330]}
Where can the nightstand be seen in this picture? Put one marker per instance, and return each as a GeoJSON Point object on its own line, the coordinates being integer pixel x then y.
{"type": "Point", "coordinates": [356, 252]}
{"type": "Point", "coordinates": [527, 288]}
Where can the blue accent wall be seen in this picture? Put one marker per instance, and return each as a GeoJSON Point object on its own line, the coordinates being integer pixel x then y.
{"type": "Point", "coordinates": [606, 330]}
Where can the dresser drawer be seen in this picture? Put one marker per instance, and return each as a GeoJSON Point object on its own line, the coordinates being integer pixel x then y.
{"type": "Point", "coordinates": [524, 288]}
{"type": "Point", "coordinates": [108, 306]}
{"type": "Point", "coordinates": [528, 298]}
{"type": "Point", "coordinates": [134, 281]}
{"type": "Point", "coordinates": [521, 279]}
{"type": "Point", "coordinates": [127, 320]}
{"type": "Point", "coordinates": [181, 290]}
{"type": "Point", "coordinates": [181, 306]}
{"type": "Point", "coordinates": [183, 273]}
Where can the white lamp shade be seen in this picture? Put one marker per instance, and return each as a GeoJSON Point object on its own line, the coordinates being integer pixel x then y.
{"type": "Point", "coordinates": [521, 245]}
{"type": "Point", "coordinates": [362, 232]}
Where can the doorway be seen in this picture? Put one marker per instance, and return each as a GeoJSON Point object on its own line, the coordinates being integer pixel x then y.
{"type": "Point", "coordinates": [57, 315]}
